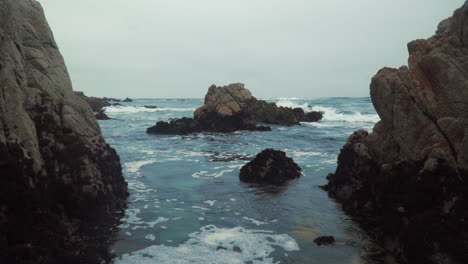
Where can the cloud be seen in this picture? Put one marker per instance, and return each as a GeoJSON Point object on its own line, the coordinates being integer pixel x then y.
{"type": "Point", "coordinates": [177, 48]}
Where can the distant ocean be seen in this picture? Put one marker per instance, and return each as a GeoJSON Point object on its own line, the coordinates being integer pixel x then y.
{"type": "Point", "coordinates": [188, 206]}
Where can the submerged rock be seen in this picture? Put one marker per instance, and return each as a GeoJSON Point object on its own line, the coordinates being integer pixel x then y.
{"type": "Point", "coordinates": [407, 181]}
{"type": "Point", "coordinates": [270, 167]}
{"type": "Point", "coordinates": [127, 100]}
{"type": "Point", "coordinates": [61, 184]}
{"type": "Point", "coordinates": [324, 240]}
{"type": "Point", "coordinates": [150, 106]}
{"type": "Point", "coordinates": [231, 108]}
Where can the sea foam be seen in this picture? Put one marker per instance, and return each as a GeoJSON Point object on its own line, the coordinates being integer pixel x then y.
{"type": "Point", "coordinates": [332, 114]}
{"type": "Point", "coordinates": [139, 109]}
{"type": "Point", "coordinates": [216, 245]}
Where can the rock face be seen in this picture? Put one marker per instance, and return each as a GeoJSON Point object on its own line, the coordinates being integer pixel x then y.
{"type": "Point", "coordinates": [97, 104]}
{"type": "Point", "coordinates": [59, 180]}
{"type": "Point", "coordinates": [231, 108]}
{"type": "Point", "coordinates": [270, 167]}
{"type": "Point", "coordinates": [407, 181]}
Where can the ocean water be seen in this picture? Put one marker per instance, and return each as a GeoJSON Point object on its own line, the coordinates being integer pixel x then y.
{"type": "Point", "coordinates": [188, 206]}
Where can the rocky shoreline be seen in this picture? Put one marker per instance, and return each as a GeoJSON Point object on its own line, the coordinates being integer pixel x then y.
{"type": "Point", "coordinates": [406, 182]}
{"type": "Point", "coordinates": [62, 187]}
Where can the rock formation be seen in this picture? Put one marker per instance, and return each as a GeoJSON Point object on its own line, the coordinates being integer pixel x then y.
{"type": "Point", "coordinates": [407, 181]}
{"type": "Point", "coordinates": [231, 108]}
{"type": "Point", "coordinates": [97, 104]}
{"type": "Point", "coordinates": [270, 167]}
{"type": "Point", "coordinates": [60, 181]}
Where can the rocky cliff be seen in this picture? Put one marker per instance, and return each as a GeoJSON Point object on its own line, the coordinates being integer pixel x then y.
{"type": "Point", "coordinates": [407, 181]}
{"type": "Point", "coordinates": [59, 180]}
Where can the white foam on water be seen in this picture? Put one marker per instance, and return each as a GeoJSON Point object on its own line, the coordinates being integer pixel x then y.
{"type": "Point", "coordinates": [206, 175]}
{"type": "Point", "coordinates": [331, 114]}
{"type": "Point", "coordinates": [132, 220]}
{"type": "Point", "coordinates": [134, 166]}
{"type": "Point", "coordinates": [140, 109]}
{"type": "Point", "coordinates": [131, 217]}
{"type": "Point", "coordinates": [201, 208]}
{"type": "Point", "coordinates": [216, 246]}
{"type": "Point", "coordinates": [302, 153]}
{"type": "Point", "coordinates": [256, 222]}
{"type": "Point", "coordinates": [157, 221]}
{"type": "Point", "coordinates": [319, 124]}
{"type": "Point", "coordinates": [210, 202]}
{"type": "Point", "coordinates": [150, 237]}
{"type": "Point", "coordinates": [288, 103]}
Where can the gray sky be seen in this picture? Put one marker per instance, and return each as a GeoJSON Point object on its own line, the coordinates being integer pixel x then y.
{"type": "Point", "coordinates": [278, 48]}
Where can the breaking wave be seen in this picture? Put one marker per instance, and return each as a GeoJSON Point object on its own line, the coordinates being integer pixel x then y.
{"type": "Point", "coordinates": [332, 114]}
{"type": "Point", "coordinates": [139, 109]}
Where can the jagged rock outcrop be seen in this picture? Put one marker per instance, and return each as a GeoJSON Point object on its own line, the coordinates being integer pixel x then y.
{"type": "Point", "coordinates": [236, 100]}
{"type": "Point", "coordinates": [59, 180]}
{"type": "Point", "coordinates": [407, 181]}
{"type": "Point", "coordinates": [231, 108]}
{"type": "Point", "coordinates": [270, 167]}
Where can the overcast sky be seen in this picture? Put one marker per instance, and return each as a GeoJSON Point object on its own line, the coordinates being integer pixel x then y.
{"type": "Point", "coordinates": [278, 48]}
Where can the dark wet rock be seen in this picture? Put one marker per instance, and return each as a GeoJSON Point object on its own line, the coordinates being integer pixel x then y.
{"type": "Point", "coordinates": [97, 104]}
{"type": "Point", "coordinates": [61, 184]}
{"type": "Point", "coordinates": [101, 115]}
{"type": "Point", "coordinates": [270, 167]}
{"type": "Point", "coordinates": [150, 106]}
{"type": "Point", "coordinates": [179, 127]}
{"type": "Point", "coordinates": [312, 116]}
{"type": "Point", "coordinates": [187, 125]}
{"type": "Point", "coordinates": [407, 182]}
{"type": "Point", "coordinates": [236, 100]}
{"type": "Point", "coordinates": [231, 108]}
{"type": "Point", "coordinates": [324, 240]}
{"type": "Point", "coordinates": [127, 100]}
{"type": "Point", "coordinates": [109, 99]}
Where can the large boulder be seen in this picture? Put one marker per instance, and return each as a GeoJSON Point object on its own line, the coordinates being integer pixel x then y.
{"type": "Point", "coordinates": [61, 185]}
{"type": "Point", "coordinates": [270, 167]}
{"type": "Point", "coordinates": [231, 108]}
{"type": "Point", "coordinates": [407, 181]}
{"type": "Point", "coordinates": [236, 100]}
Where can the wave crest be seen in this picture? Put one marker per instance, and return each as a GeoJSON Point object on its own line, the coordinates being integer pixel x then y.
{"type": "Point", "coordinates": [332, 114]}
{"type": "Point", "coordinates": [139, 109]}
